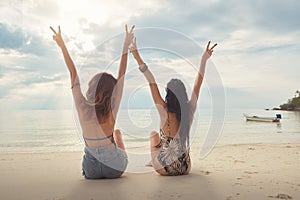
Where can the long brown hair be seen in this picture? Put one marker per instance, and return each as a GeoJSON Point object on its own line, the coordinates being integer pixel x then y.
{"type": "Point", "coordinates": [99, 94]}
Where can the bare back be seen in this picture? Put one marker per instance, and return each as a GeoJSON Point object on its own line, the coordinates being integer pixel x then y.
{"type": "Point", "coordinates": [91, 128]}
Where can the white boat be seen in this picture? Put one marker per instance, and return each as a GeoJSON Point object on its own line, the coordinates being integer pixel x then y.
{"type": "Point", "coordinates": [262, 119]}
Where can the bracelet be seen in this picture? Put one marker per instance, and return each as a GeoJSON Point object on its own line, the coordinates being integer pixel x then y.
{"type": "Point", "coordinates": [143, 67]}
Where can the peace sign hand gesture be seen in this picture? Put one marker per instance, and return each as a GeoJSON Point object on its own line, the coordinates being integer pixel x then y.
{"type": "Point", "coordinates": [133, 47]}
{"type": "Point", "coordinates": [57, 37]}
{"type": "Point", "coordinates": [208, 52]}
{"type": "Point", "coordinates": [129, 36]}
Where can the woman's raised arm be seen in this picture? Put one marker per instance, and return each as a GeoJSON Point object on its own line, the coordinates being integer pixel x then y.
{"type": "Point", "coordinates": [149, 76]}
{"type": "Point", "coordinates": [122, 69]}
{"type": "Point", "coordinates": [68, 60]}
{"type": "Point", "coordinates": [199, 79]}
{"type": "Point", "coordinates": [75, 84]}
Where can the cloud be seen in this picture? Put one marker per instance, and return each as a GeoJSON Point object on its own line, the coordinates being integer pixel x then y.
{"type": "Point", "coordinates": [43, 8]}
{"type": "Point", "coordinates": [11, 39]}
{"type": "Point", "coordinates": [277, 15]}
{"type": "Point", "coordinates": [37, 96]}
{"type": "Point", "coordinates": [23, 42]}
{"type": "Point", "coordinates": [257, 52]}
{"type": "Point", "coordinates": [32, 90]}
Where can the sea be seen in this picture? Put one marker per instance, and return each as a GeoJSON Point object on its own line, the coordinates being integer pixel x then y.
{"type": "Point", "coordinates": [59, 131]}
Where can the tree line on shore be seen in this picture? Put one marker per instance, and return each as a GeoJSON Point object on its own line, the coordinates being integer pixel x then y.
{"type": "Point", "coordinates": [292, 104]}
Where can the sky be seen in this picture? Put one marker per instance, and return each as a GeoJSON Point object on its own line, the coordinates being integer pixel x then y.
{"type": "Point", "coordinates": [256, 62]}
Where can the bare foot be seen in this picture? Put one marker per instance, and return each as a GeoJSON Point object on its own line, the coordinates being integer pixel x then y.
{"type": "Point", "coordinates": [149, 164]}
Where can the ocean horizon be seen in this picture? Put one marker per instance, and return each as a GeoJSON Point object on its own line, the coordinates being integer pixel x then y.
{"type": "Point", "coordinates": [58, 130]}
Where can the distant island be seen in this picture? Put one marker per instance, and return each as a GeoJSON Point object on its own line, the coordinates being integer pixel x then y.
{"type": "Point", "coordinates": [292, 104]}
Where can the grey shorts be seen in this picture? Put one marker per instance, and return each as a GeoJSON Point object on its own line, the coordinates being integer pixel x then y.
{"type": "Point", "coordinates": [103, 162]}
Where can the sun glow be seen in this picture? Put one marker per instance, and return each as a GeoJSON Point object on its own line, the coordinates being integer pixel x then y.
{"type": "Point", "coordinates": [80, 19]}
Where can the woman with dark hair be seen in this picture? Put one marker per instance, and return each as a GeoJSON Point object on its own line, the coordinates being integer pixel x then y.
{"type": "Point", "coordinates": [170, 149]}
{"type": "Point", "coordinates": [105, 155]}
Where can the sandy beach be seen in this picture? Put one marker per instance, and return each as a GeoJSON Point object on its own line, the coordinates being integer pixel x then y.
{"type": "Point", "coordinates": [256, 171]}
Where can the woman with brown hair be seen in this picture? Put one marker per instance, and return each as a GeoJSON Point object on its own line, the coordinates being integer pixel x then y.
{"type": "Point", "coordinates": [105, 155]}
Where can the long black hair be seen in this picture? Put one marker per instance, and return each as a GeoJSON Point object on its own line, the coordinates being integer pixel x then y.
{"type": "Point", "coordinates": [177, 102]}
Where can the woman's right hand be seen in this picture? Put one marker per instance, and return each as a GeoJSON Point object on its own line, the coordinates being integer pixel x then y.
{"type": "Point", "coordinates": [129, 35]}
{"type": "Point", "coordinates": [208, 52]}
{"type": "Point", "coordinates": [57, 37]}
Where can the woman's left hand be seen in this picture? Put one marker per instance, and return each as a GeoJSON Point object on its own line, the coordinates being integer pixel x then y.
{"type": "Point", "coordinates": [57, 37]}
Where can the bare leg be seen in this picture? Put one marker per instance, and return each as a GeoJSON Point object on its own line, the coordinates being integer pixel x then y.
{"type": "Point", "coordinates": [154, 141]}
{"type": "Point", "coordinates": [119, 141]}
{"type": "Point", "coordinates": [189, 168]}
